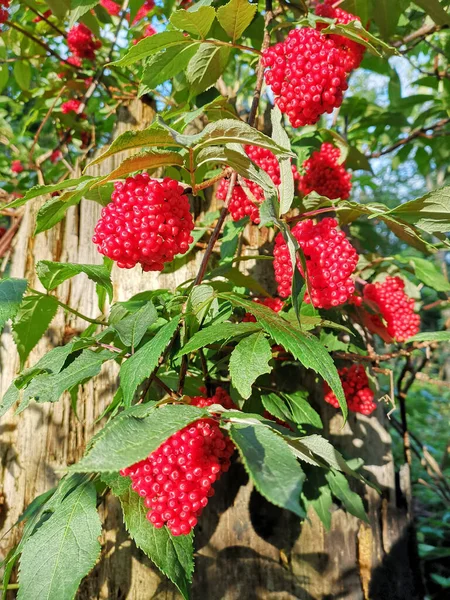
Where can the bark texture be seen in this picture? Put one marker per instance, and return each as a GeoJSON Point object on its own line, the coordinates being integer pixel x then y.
{"type": "Point", "coordinates": [246, 549]}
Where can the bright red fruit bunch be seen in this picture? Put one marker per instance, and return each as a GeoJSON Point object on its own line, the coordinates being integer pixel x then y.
{"type": "Point", "coordinates": [176, 479]}
{"type": "Point", "coordinates": [147, 222]}
{"type": "Point", "coordinates": [72, 106]}
{"type": "Point", "coordinates": [273, 303]}
{"type": "Point", "coordinates": [358, 395]}
{"type": "Point", "coordinates": [396, 308]}
{"type": "Point", "coordinates": [324, 174]}
{"type": "Point", "coordinates": [81, 42]}
{"type": "Point", "coordinates": [4, 5]}
{"type": "Point", "coordinates": [351, 51]}
{"type": "Point", "coordinates": [17, 166]}
{"type": "Point", "coordinates": [330, 262]}
{"type": "Point", "coordinates": [307, 74]}
{"type": "Point", "coordinates": [241, 205]}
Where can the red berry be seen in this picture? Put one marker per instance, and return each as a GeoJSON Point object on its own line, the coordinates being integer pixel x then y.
{"type": "Point", "coordinates": [352, 51]}
{"type": "Point", "coordinates": [144, 10]}
{"type": "Point", "coordinates": [324, 174]}
{"type": "Point", "coordinates": [111, 7]}
{"type": "Point", "coordinates": [81, 42]}
{"type": "Point", "coordinates": [358, 395]}
{"type": "Point", "coordinates": [220, 397]}
{"type": "Point", "coordinates": [330, 262]}
{"type": "Point", "coordinates": [148, 32]}
{"type": "Point", "coordinates": [55, 156]}
{"type": "Point", "coordinates": [176, 479]}
{"type": "Point", "coordinates": [4, 5]}
{"type": "Point", "coordinates": [245, 202]}
{"type": "Point", "coordinates": [147, 222]}
{"type": "Point", "coordinates": [17, 166]}
{"type": "Point", "coordinates": [73, 106]}
{"type": "Point", "coordinates": [274, 303]}
{"type": "Point", "coordinates": [307, 75]}
{"type": "Point", "coordinates": [396, 308]}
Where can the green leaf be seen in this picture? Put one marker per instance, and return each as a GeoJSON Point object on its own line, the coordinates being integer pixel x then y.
{"type": "Point", "coordinates": [427, 272]}
{"type": "Point", "coordinates": [4, 76]}
{"type": "Point", "coordinates": [132, 328]}
{"type": "Point", "coordinates": [165, 65]}
{"type": "Point", "coordinates": [248, 361]}
{"type": "Point", "coordinates": [286, 188]}
{"type": "Point", "coordinates": [236, 16]}
{"type": "Point", "coordinates": [131, 436]}
{"type": "Point", "coordinates": [11, 294]}
{"type": "Point", "coordinates": [22, 74]}
{"type": "Point", "coordinates": [387, 14]}
{"type": "Point", "coordinates": [270, 464]}
{"type": "Point", "coordinates": [149, 161]}
{"type": "Point", "coordinates": [361, 8]}
{"type": "Point", "coordinates": [435, 10]}
{"type": "Point", "coordinates": [49, 387]}
{"type": "Point", "coordinates": [431, 336]}
{"type": "Point", "coordinates": [54, 210]}
{"type": "Point", "coordinates": [31, 322]}
{"type": "Point", "coordinates": [172, 555]}
{"type": "Point", "coordinates": [139, 366]}
{"type": "Point", "coordinates": [63, 549]}
{"type": "Point", "coordinates": [80, 8]}
{"type": "Point", "coordinates": [317, 494]}
{"type": "Point", "coordinates": [356, 32]}
{"type": "Point", "coordinates": [59, 7]}
{"type": "Point", "coordinates": [430, 212]}
{"type": "Point", "coordinates": [150, 45]}
{"type": "Point", "coordinates": [41, 190]}
{"type": "Point", "coordinates": [230, 240]}
{"type": "Point", "coordinates": [206, 66]}
{"type": "Point", "coordinates": [51, 274]}
{"type": "Point", "coordinates": [302, 411]}
{"type": "Point", "coordinates": [197, 22]}
{"type": "Point", "coordinates": [341, 489]}
{"type": "Point", "coordinates": [217, 333]}
{"type": "Point", "coordinates": [303, 346]}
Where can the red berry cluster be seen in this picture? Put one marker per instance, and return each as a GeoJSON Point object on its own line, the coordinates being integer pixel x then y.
{"type": "Point", "coordinates": [4, 5]}
{"type": "Point", "coordinates": [17, 166]}
{"type": "Point", "coordinates": [147, 222]}
{"type": "Point", "coordinates": [324, 174]}
{"type": "Point", "coordinates": [144, 10]}
{"type": "Point", "coordinates": [148, 32]}
{"type": "Point", "coordinates": [241, 205]}
{"type": "Point", "coordinates": [81, 42]}
{"type": "Point", "coordinates": [330, 262]}
{"type": "Point", "coordinates": [220, 397]}
{"type": "Point", "coordinates": [307, 75]}
{"type": "Point", "coordinates": [396, 308]}
{"type": "Point", "coordinates": [352, 51]}
{"type": "Point", "coordinates": [72, 106]}
{"type": "Point", "coordinates": [111, 7]}
{"type": "Point", "coordinates": [274, 303]}
{"type": "Point", "coordinates": [356, 389]}
{"type": "Point", "coordinates": [176, 479]}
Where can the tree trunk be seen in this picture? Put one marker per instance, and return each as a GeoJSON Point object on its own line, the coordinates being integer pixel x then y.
{"type": "Point", "coordinates": [246, 549]}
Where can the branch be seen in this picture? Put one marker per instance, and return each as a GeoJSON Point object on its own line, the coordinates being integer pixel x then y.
{"type": "Point", "coordinates": [47, 48]}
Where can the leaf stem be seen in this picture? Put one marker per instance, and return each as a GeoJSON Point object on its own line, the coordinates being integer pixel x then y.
{"type": "Point", "coordinates": [231, 45]}
{"type": "Point", "coordinates": [70, 309]}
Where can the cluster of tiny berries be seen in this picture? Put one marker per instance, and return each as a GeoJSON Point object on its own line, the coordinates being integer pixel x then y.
{"type": "Point", "coordinates": [17, 166]}
{"type": "Point", "coordinates": [330, 262]}
{"type": "Point", "coordinates": [81, 42]}
{"type": "Point", "coordinates": [220, 397]}
{"type": "Point", "coordinates": [358, 395]}
{"type": "Point", "coordinates": [273, 303]}
{"type": "Point", "coordinates": [147, 222]}
{"type": "Point", "coordinates": [351, 51]}
{"type": "Point", "coordinates": [4, 5]}
{"type": "Point", "coordinates": [72, 106]}
{"type": "Point", "coordinates": [307, 74]}
{"type": "Point", "coordinates": [396, 308]}
{"type": "Point", "coordinates": [324, 175]}
{"type": "Point", "coordinates": [113, 8]}
{"type": "Point", "coordinates": [176, 479]}
{"type": "Point", "coordinates": [241, 205]}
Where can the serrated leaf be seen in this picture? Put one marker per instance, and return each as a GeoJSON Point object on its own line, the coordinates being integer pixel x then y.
{"type": "Point", "coordinates": [236, 16]}
{"type": "Point", "coordinates": [435, 10]}
{"type": "Point", "coordinates": [165, 65]}
{"type": "Point", "coordinates": [51, 274]}
{"type": "Point", "coordinates": [149, 161]}
{"type": "Point", "coordinates": [317, 494]}
{"type": "Point", "coordinates": [426, 272]}
{"type": "Point", "coordinates": [302, 411]}
{"type": "Point", "coordinates": [197, 22]}
{"type": "Point", "coordinates": [172, 555]}
{"type": "Point", "coordinates": [249, 359]}
{"type": "Point", "coordinates": [230, 240]}
{"type": "Point", "coordinates": [218, 333]}
{"type": "Point", "coordinates": [68, 538]}
{"type": "Point", "coordinates": [361, 8]}
{"type": "Point", "coordinates": [80, 8]}
{"type": "Point", "coordinates": [270, 464]}
{"type": "Point", "coordinates": [206, 66]}
{"type": "Point", "coordinates": [431, 336]}
{"type": "Point", "coordinates": [41, 190]}
{"type": "Point", "coordinates": [59, 7]}
{"type": "Point", "coordinates": [132, 328]}
{"type": "Point", "coordinates": [11, 294]}
{"type": "Point", "coordinates": [139, 366]}
{"type": "Point", "coordinates": [303, 346]}
{"type": "Point", "coordinates": [31, 322]}
{"type": "Point", "coordinates": [22, 74]}
{"type": "Point", "coordinates": [130, 437]}
{"type": "Point", "coordinates": [430, 212]}
{"type": "Point", "coordinates": [50, 387]}
{"type": "Point", "coordinates": [54, 210]}
{"type": "Point", "coordinates": [357, 33]}
{"type": "Point", "coordinates": [150, 45]}
{"type": "Point", "coordinates": [341, 489]}
{"type": "Point", "coordinates": [387, 14]}
{"type": "Point", "coordinates": [286, 188]}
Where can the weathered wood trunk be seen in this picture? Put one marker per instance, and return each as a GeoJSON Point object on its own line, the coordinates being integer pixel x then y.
{"type": "Point", "coordinates": [246, 549]}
